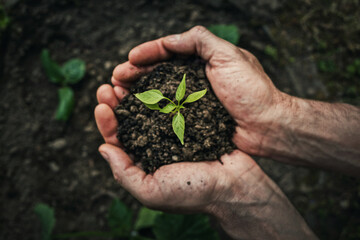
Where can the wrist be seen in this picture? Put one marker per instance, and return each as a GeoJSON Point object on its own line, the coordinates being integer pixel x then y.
{"type": "Point", "coordinates": [236, 209]}
{"type": "Point", "coordinates": [279, 124]}
{"type": "Point", "coordinates": [268, 131]}
{"type": "Point", "coordinates": [255, 208]}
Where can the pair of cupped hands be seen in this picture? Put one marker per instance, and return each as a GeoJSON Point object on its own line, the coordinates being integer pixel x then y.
{"type": "Point", "coordinates": [244, 89]}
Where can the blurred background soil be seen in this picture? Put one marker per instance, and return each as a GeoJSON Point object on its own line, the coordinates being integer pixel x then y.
{"type": "Point", "coordinates": [308, 47]}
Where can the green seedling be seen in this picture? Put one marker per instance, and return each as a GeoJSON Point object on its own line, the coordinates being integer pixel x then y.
{"type": "Point", "coordinates": [155, 224]}
{"type": "Point", "coordinates": [4, 19]}
{"type": "Point", "coordinates": [354, 68]}
{"type": "Point", "coordinates": [228, 32]}
{"type": "Point", "coordinates": [272, 52]}
{"type": "Point", "coordinates": [69, 73]}
{"type": "Point", "coordinates": [47, 220]}
{"type": "Point", "coordinates": [152, 97]}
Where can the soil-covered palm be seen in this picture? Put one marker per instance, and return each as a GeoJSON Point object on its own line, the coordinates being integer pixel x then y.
{"type": "Point", "coordinates": [188, 186]}
{"type": "Point", "coordinates": [235, 75]}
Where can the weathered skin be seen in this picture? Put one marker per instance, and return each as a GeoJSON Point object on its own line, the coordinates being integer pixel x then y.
{"type": "Point", "coordinates": [246, 202]}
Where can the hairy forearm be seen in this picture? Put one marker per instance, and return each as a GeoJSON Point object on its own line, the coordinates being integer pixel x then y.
{"type": "Point", "coordinates": [314, 133]}
{"type": "Point", "coordinates": [259, 212]}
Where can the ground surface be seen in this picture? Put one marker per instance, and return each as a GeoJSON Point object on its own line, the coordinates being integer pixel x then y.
{"type": "Point", "coordinates": [305, 46]}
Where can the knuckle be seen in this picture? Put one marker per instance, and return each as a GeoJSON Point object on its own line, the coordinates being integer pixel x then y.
{"type": "Point", "coordinates": [199, 29]}
{"type": "Point", "coordinates": [115, 71]}
{"type": "Point", "coordinates": [118, 178]}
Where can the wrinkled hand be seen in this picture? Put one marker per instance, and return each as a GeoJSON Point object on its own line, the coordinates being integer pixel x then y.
{"type": "Point", "coordinates": [238, 81]}
{"type": "Point", "coordinates": [238, 193]}
{"type": "Point", "coordinates": [181, 186]}
{"type": "Point", "coordinates": [246, 203]}
{"type": "Point", "coordinates": [236, 77]}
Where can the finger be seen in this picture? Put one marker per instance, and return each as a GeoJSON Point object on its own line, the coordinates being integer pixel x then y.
{"type": "Point", "coordinates": [120, 92]}
{"type": "Point", "coordinates": [107, 123]}
{"type": "Point", "coordinates": [252, 59]}
{"type": "Point", "coordinates": [106, 94]}
{"type": "Point", "coordinates": [197, 40]}
{"type": "Point", "coordinates": [124, 74]}
{"type": "Point", "coordinates": [125, 172]}
{"type": "Point", "coordinates": [149, 53]}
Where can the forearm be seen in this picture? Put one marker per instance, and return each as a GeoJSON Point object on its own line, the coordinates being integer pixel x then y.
{"type": "Point", "coordinates": [261, 212]}
{"type": "Point", "coordinates": [318, 134]}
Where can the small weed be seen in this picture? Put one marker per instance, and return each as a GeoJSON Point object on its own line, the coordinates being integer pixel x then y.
{"type": "Point", "coordinates": [354, 68]}
{"type": "Point", "coordinates": [4, 19]}
{"type": "Point", "coordinates": [228, 32]}
{"type": "Point", "coordinates": [70, 73]}
{"type": "Point", "coordinates": [154, 224]}
{"type": "Point", "coordinates": [327, 66]}
{"type": "Point", "coordinates": [47, 220]}
{"type": "Point", "coordinates": [272, 52]}
{"type": "Point", "coordinates": [151, 98]}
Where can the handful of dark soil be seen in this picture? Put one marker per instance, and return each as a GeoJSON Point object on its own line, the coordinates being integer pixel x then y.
{"type": "Point", "coordinates": [148, 134]}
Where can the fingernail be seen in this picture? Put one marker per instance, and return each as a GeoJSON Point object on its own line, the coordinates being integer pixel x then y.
{"type": "Point", "coordinates": [104, 155]}
{"type": "Point", "coordinates": [173, 38]}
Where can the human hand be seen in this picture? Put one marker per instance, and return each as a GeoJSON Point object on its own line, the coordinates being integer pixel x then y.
{"type": "Point", "coordinates": [237, 192]}
{"type": "Point", "coordinates": [236, 77]}
{"type": "Point", "coordinates": [181, 186]}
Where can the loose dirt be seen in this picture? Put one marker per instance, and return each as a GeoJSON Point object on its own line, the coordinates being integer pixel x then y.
{"type": "Point", "coordinates": [148, 134]}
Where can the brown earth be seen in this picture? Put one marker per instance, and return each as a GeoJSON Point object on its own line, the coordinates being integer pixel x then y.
{"type": "Point", "coordinates": [148, 134]}
{"type": "Point", "coordinates": [42, 160]}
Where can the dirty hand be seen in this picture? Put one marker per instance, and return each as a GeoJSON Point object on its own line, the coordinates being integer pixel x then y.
{"type": "Point", "coordinates": [180, 186]}
{"type": "Point", "coordinates": [236, 77]}
{"type": "Point", "coordinates": [237, 193]}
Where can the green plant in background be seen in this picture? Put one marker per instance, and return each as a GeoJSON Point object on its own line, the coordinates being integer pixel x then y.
{"type": "Point", "coordinates": [47, 220]}
{"type": "Point", "coordinates": [228, 32]}
{"type": "Point", "coordinates": [151, 98]}
{"type": "Point", "coordinates": [354, 68]}
{"type": "Point", "coordinates": [69, 73]}
{"type": "Point", "coordinates": [4, 19]}
{"type": "Point", "coordinates": [327, 66]}
{"type": "Point", "coordinates": [272, 52]}
{"type": "Point", "coordinates": [162, 226]}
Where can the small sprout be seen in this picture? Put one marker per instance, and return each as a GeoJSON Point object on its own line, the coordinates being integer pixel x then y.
{"type": "Point", "coordinates": [4, 19]}
{"type": "Point", "coordinates": [47, 219]}
{"type": "Point", "coordinates": [272, 52]}
{"type": "Point", "coordinates": [152, 97]}
{"type": "Point", "coordinates": [70, 73]}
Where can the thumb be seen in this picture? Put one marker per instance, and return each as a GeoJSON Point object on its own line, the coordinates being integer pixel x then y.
{"type": "Point", "coordinates": [197, 40]}
{"type": "Point", "coordinates": [125, 172]}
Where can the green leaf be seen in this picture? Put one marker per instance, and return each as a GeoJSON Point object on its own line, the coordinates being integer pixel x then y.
{"type": "Point", "coordinates": [47, 220]}
{"type": "Point", "coordinates": [327, 66]}
{"type": "Point", "coordinates": [195, 96]}
{"type": "Point", "coordinates": [73, 70]}
{"type": "Point", "coordinates": [52, 69]}
{"type": "Point", "coordinates": [4, 19]}
{"type": "Point", "coordinates": [120, 219]}
{"type": "Point", "coordinates": [183, 227]}
{"type": "Point", "coordinates": [180, 92]}
{"type": "Point", "coordinates": [146, 218]}
{"type": "Point", "coordinates": [351, 69]}
{"type": "Point", "coordinates": [168, 108]}
{"type": "Point", "coordinates": [178, 125]}
{"type": "Point", "coordinates": [66, 104]}
{"type": "Point", "coordinates": [153, 106]}
{"type": "Point", "coordinates": [150, 97]}
{"type": "Point", "coordinates": [228, 32]}
{"type": "Point", "coordinates": [272, 52]}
